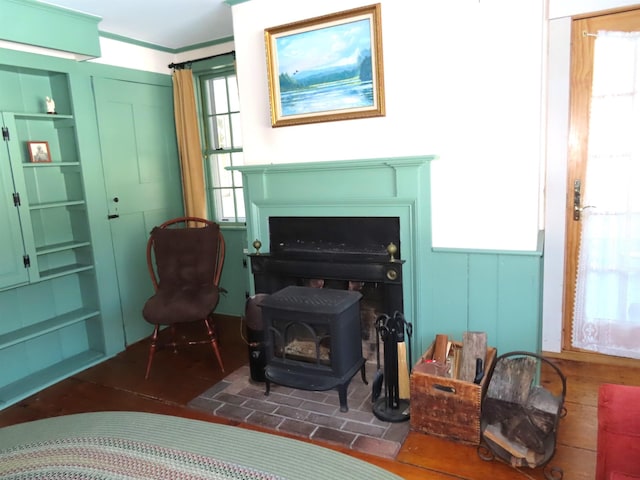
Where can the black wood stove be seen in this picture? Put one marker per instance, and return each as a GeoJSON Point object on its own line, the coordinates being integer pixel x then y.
{"type": "Point", "coordinates": [313, 339]}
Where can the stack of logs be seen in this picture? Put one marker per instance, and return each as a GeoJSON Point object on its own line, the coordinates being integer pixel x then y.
{"type": "Point", "coordinates": [519, 416]}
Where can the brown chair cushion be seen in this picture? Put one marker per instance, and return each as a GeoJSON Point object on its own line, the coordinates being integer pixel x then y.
{"type": "Point", "coordinates": [185, 261]}
{"type": "Point", "coordinates": [185, 256]}
{"type": "Point", "coordinates": [177, 305]}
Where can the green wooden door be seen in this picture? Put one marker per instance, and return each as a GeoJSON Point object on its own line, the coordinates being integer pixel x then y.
{"type": "Point", "coordinates": [12, 269]}
{"type": "Point", "coordinates": [142, 178]}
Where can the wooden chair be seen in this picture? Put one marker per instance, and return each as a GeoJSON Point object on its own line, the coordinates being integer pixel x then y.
{"type": "Point", "coordinates": [185, 256]}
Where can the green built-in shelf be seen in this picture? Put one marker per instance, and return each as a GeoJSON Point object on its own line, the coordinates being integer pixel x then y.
{"type": "Point", "coordinates": [46, 326]}
{"type": "Point", "coordinates": [40, 206]}
{"type": "Point", "coordinates": [52, 164]}
{"type": "Point", "coordinates": [60, 247]}
{"type": "Point", "coordinates": [42, 116]}
{"type": "Point", "coordinates": [66, 270]}
{"type": "Point", "coordinates": [48, 376]}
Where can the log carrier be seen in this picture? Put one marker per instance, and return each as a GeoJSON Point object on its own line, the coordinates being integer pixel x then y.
{"type": "Point", "coordinates": [520, 418]}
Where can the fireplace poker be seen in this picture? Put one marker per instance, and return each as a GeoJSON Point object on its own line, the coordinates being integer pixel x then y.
{"type": "Point", "coordinates": [391, 330]}
{"type": "Point", "coordinates": [378, 379]}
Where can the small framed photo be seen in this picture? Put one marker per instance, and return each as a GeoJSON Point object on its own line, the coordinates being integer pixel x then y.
{"type": "Point", "coordinates": [39, 152]}
{"type": "Point", "coordinates": [326, 68]}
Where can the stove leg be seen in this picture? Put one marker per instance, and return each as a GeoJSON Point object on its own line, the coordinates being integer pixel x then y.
{"type": "Point", "coordinates": [363, 373]}
{"type": "Point", "coordinates": [267, 385]}
{"type": "Point", "coordinates": [342, 395]}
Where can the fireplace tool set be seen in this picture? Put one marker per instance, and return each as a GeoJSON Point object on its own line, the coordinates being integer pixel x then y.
{"type": "Point", "coordinates": [391, 331]}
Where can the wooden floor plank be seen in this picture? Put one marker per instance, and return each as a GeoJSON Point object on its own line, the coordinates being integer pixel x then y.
{"type": "Point", "coordinates": [574, 431]}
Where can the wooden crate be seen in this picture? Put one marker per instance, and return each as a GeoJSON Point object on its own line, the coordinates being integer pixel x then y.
{"type": "Point", "coordinates": [447, 407]}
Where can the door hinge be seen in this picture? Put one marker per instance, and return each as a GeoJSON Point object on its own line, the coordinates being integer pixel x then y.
{"type": "Point", "coordinates": [5, 134]}
{"type": "Point", "coordinates": [26, 260]}
{"type": "Point", "coordinates": [16, 199]}
{"type": "Point", "coordinates": [246, 294]}
{"type": "Point", "coordinates": [244, 263]}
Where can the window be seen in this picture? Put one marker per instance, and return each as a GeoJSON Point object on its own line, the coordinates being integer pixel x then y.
{"type": "Point", "coordinates": [222, 145]}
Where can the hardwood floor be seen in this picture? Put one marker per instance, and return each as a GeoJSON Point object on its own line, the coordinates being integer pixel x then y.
{"type": "Point", "coordinates": [118, 384]}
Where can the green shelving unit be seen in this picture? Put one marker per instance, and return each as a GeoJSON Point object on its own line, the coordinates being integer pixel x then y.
{"type": "Point", "coordinates": [51, 325]}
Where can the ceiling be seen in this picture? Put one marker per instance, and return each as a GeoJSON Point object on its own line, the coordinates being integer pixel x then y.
{"type": "Point", "coordinates": [173, 24]}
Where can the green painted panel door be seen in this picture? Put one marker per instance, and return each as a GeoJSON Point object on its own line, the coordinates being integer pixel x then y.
{"type": "Point", "coordinates": [142, 178]}
{"type": "Point", "coordinates": [12, 270]}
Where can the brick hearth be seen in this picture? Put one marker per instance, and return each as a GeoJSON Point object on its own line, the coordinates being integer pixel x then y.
{"type": "Point", "coordinates": [308, 414]}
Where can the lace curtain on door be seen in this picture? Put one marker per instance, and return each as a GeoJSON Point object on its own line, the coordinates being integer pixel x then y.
{"type": "Point", "coordinates": [607, 302]}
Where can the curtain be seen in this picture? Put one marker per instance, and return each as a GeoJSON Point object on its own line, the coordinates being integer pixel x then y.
{"type": "Point", "coordinates": [189, 147]}
{"type": "Point", "coordinates": [607, 300]}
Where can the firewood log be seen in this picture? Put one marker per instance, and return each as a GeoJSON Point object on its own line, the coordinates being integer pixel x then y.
{"type": "Point", "coordinates": [512, 379]}
{"type": "Point", "coordinates": [474, 346]}
{"type": "Point", "coordinates": [496, 411]}
{"type": "Point", "coordinates": [522, 455]}
{"type": "Point", "coordinates": [543, 408]}
{"type": "Point", "coordinates": [440, 348]}
{"type": "Point", "coordinates": [522, 430]}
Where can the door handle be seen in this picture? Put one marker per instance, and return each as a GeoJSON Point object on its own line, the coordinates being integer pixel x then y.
{"type": "Point", "coordinates": [577, 211]}
{"type": "Point", "coordinates": [114, 215]}
{"type": "Point", "coordinates": [577, 199]}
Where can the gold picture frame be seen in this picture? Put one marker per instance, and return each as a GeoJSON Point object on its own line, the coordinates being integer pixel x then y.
{"type": "Point", "coordinates": [326, 68]}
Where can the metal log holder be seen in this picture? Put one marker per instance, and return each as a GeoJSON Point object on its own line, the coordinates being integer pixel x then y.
{"type": "Point", "coordinates": [391, 330]}
{"type": "Point", "coordinates": [489, 450]}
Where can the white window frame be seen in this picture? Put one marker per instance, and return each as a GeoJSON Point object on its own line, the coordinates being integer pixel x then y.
{"type": "Point", "coordinates": [224, 189]}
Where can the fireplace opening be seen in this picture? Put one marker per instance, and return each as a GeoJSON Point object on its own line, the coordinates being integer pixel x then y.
{"type": "Point", "coordinates": [335, 238]}
{"type": "Point", "coordinates": [350, 254]}
{"type": "Point", "coordinates": [333, 252]}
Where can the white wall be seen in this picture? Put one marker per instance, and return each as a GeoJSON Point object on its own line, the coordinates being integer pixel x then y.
{"type": "Point", "coordinates": [555, 190]}
{"type": "Point", "coordinates": [123, 54]}
{"type": "Point", "coordinates": [462, 80]}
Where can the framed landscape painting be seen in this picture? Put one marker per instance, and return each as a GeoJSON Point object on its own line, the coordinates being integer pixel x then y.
{"type": "Point", "coordinates": [326, 68]}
